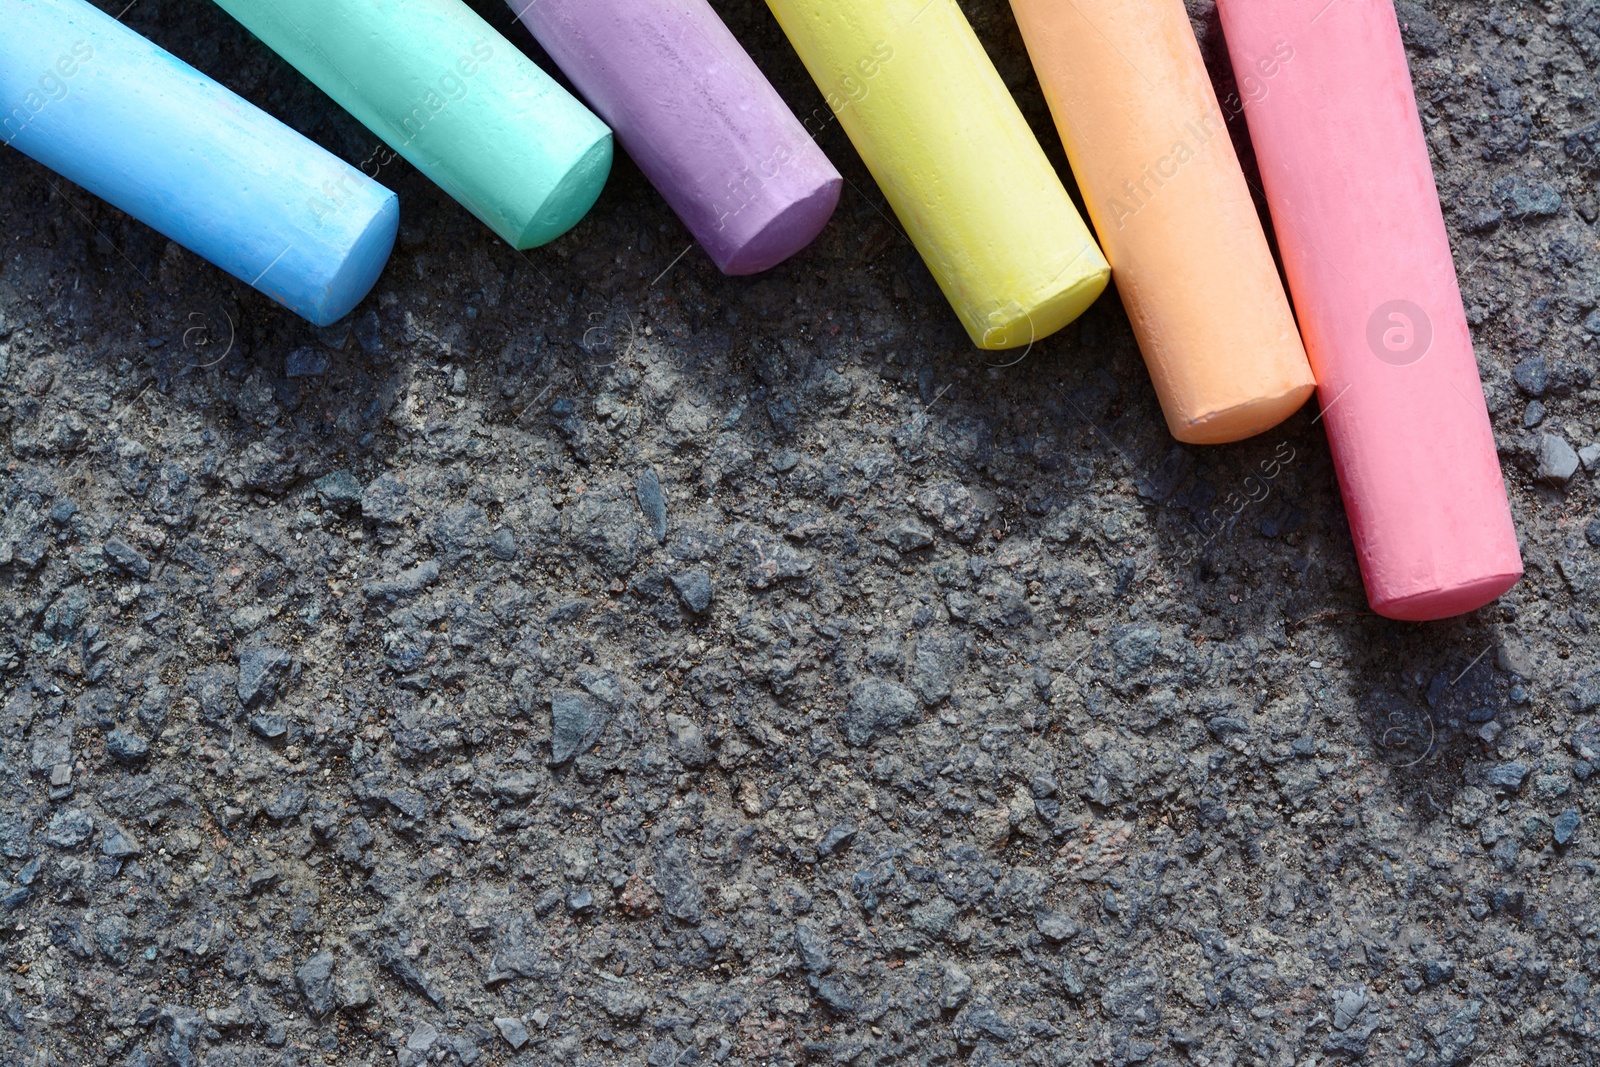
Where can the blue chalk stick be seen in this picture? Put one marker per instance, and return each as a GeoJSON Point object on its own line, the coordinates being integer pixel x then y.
{"type": "Point", "coordinates": [106, 108]}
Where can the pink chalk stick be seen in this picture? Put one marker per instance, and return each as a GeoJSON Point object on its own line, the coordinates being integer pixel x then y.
{"type": "Point", "coordinates": [697, 116]}
{"type": "Point", "coordinates": [1358, 220]}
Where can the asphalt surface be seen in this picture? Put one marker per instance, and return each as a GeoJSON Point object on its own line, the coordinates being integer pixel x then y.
{"type": "Point", "coordinates": [580, 657]}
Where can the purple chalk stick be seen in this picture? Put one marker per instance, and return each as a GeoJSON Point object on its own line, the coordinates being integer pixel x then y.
{"type": "Point", "coordinates": [708, 130]}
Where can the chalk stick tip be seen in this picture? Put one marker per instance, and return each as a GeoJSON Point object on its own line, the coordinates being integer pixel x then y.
{"type": "Point", "coordinates": [1242, 421]}
{"type": "Point", "coordinates": [789, 231]}
{"type": "Point", "coordinates": [1448, 599]}
{"type": "Point", "coordinates": [572, 197]}
{"type": "Point", "coordinates": [1020, 325]}
{"type": "Point", "coordinates": [359, 272]}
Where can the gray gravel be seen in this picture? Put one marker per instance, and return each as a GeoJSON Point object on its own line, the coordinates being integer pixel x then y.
{"type": "Point", "coordinates": [582, 658]}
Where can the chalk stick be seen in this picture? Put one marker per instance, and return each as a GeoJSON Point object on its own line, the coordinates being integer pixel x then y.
{"type": "Point", "coordinates": [107, 109]}
{"type": "Point", "coordinates": [913, 88]}
{"type": "Point", "coordinates": [455, 98]}
{"type": "Point", "coordinates": [700, 120]}
{"type": "Point", "coordinates": [1353, 200]}
{"type": "Point", "coordinates": [1149, 146]}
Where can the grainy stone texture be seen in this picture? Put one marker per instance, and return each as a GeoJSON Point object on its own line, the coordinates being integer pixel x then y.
{"type": "Point", "coordinates": [582, 658]}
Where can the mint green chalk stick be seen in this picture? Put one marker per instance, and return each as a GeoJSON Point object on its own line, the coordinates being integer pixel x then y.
{"type": "Point", "coordinates": [453, 97]}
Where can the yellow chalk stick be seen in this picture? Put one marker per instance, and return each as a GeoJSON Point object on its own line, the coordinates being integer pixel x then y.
{"type": "Point", "coordinates": [937, 128]}
{"type": "Point", "coordinates": [1150, 148]}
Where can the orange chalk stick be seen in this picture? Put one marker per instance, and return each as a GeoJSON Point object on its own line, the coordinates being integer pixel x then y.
{"type": "Point", "coordinates": [1150, 149]}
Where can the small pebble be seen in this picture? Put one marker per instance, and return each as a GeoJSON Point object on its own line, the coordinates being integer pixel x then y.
{"type": "Point", "coordinates": [695, 589]}
{"type": "Point", "coordinates": [423, 1038]}
{"type": "Point", "coordinates": [127, 747]}
{"type": "Point", "coordinates": [1557, 461]}
{"type": "Point", "coordinates": [513, 1030]}
{"type": "Point", "coordinates": [1507, 775]}
{"type": "Point", "coordinates": [306, 363]}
